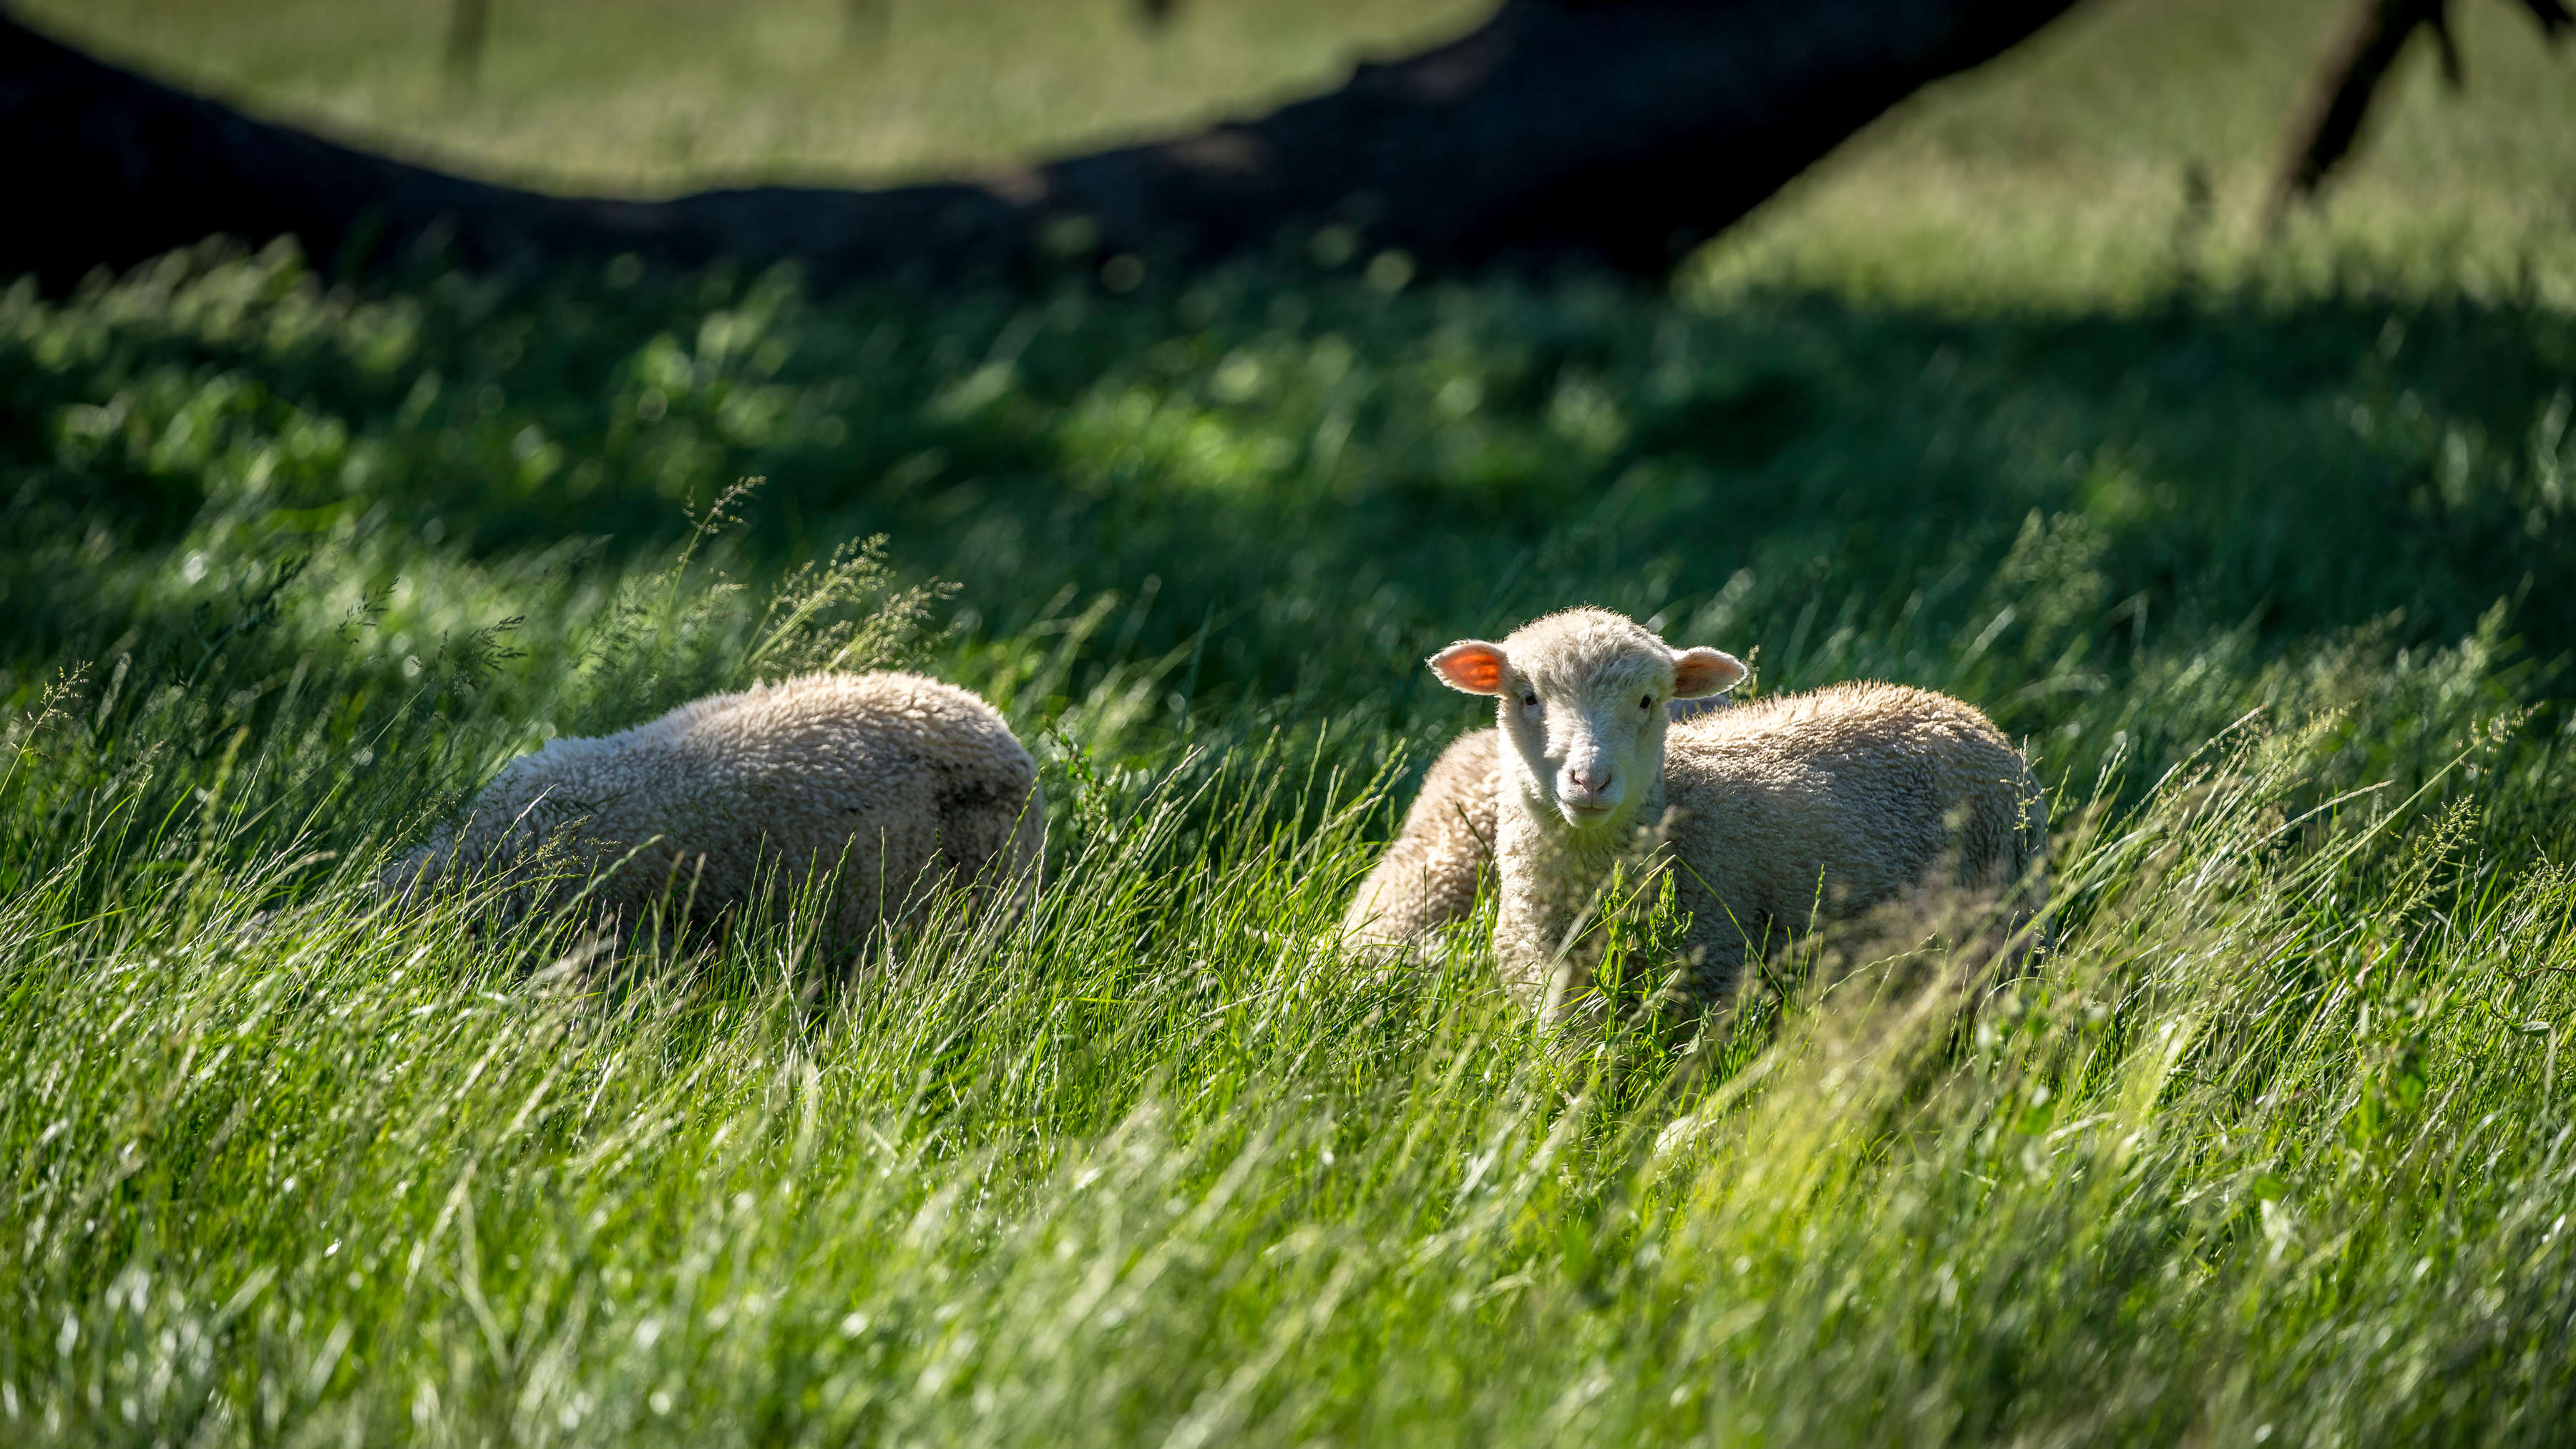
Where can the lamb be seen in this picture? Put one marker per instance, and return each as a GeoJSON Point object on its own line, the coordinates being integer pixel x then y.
{"type": "Point", "coordinates": [1767, 816]}
{"type": "Point", "coordinates": [1433, 871]}
{"type": "Point", "coordinates": [898, 783]}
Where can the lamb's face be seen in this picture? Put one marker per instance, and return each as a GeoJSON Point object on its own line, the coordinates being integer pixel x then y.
{"type": "Point", "coordinates": [1581, 699]}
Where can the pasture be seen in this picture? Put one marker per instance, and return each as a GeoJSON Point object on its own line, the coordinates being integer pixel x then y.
{"type": "Point", "coordinates": [2263, 551]}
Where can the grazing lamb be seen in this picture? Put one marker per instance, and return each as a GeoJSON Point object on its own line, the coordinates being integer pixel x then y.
{"type": "Point", "coordinates": [1769, 815]}
{"type": "Point", "coordinates": [899, 783]}
{"type": "Point", "coordinates": [1432, 870]}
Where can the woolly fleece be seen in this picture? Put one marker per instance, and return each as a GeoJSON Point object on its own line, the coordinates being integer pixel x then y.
{"type": "Point", "coordinates": [1431, 871]}
{"type": "Point", "coordinates": [901, 783]}
{"type": "Point", "coordinates": [1772, 815]}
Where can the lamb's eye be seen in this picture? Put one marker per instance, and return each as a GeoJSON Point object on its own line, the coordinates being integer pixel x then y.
{"type": "Point", "coordinates": [1646, 703]}
{"type": "Point", "coordinates": [1529, 701]}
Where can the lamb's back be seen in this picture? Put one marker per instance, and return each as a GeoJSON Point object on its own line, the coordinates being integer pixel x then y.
{"type": "Point", "coordinates": [885, 777]}
{"type": "Point", "coordinates": [1839, 797]}
{"type": "Point", "coordinates": [907, 764]}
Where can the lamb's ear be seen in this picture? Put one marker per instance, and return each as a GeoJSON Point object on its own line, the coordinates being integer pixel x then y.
{"type": "Point", "coordinates": [1471, 665]}
{"type": "Point", "coordinates": [1699, 673]}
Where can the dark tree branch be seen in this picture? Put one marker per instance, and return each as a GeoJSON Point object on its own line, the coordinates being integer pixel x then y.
{"type": "Point", "coordinates": [2356, 65]}
{"type": "Point", "coordinates": [1621, 132]}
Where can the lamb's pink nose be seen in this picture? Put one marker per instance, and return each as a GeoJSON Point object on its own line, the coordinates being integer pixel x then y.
{"type": "Point", "coordinates": [1585, 785]}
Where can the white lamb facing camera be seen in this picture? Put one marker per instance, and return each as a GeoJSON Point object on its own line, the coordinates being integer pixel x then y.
{"type": "Point", "coordinates": [1771, 816]}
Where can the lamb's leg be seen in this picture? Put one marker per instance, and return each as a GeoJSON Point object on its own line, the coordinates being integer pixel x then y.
{"type": "Point", "coordinates": [1433, 871]}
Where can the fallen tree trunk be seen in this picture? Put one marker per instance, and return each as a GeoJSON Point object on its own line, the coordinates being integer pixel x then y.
{"type": "Point", "coordinates": [1619, 132]}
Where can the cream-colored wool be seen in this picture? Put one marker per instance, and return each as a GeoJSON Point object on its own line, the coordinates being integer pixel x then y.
{"type": "Point", "coordinates": [1771, 816]}
{"type": "Point", "coordinates": [898, 782]}
{"type": "Point", "coordinates": [1435, 867]}
{"type": "Point", "coordinates": [1432, 870]}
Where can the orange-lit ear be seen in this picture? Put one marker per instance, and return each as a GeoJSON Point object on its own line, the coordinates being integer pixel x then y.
{"type": "Point", "coordinates": [1471, 665]}
{"type": "Point", "coordinates": [1699, 673]}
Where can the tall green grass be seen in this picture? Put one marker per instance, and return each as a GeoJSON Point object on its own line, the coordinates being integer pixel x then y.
{"type": "Point", "coordinates": [2260, 551]}
{"type": "Point", "coordinates": [2276, 1139]}
{"type": "Point", "coordinates": [2273, 1147]}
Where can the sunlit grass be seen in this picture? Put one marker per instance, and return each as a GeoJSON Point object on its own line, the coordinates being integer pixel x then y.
{"type": "Point", "coordinates": [2258, 552]}
{"type": "Point", "coordinates": [2270, 1140]}
{"type": "Point", "coordinates": [2129, 149]}
{"type": "Point", "coordinates": [657, 95]}
{"type": "Point", "coordinates": [2267, 1140]}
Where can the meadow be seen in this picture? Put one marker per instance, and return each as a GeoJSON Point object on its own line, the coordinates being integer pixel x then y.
{"type": "Point", "coordinates": [2262, 550]}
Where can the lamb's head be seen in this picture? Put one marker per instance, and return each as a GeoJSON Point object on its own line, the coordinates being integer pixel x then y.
{"type": "Point", "coordinates": [1580, 699]}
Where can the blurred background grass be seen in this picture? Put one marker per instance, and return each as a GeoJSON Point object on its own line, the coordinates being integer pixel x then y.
{"type": "Point", "coordinates": [663, 95]}
{"type": "Point", "coordinates": [2007, 397]}
{"type": "Point", "coordinates": [2127, 143]}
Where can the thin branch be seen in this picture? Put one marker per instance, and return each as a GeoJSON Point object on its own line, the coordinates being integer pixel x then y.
{"type": "Point", "coordinates": [2352, 76]}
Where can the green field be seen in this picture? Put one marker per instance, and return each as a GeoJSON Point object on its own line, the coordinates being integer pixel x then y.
{"type": "Point", "coordinates": [2263, 551]}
